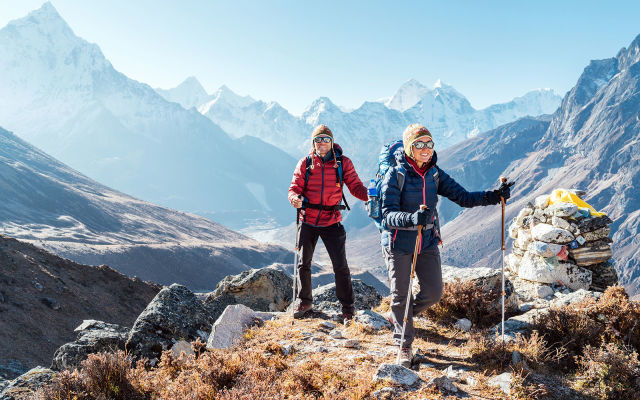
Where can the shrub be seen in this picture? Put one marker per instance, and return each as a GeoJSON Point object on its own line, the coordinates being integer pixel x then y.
{"type": "Point", "coordinates": [610, 371]}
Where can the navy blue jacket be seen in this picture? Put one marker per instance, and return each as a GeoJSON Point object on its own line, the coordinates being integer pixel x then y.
{"type": "Point", "coordinates": [397, 206]}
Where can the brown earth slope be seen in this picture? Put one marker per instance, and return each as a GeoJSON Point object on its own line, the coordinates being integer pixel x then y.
{"type": "Point", "coordinates": [44, 297]}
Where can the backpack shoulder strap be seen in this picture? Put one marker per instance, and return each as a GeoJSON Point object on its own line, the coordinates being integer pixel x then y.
{"type": "Point", "coordinates": [436, 176]}
{"type": "Point", "coordinates": [307, 173]}
{"type": "Point", "coordinates": [400, 175]}
{"type": "Point", "coordinates": [340, 181]}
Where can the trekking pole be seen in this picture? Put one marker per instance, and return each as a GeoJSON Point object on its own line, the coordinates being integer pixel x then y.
{"type": "Point", "coordinates": [295, 265]}
{"type": "Point", "coordinates": [413, 273]}
{"type": "Point", "coordinates": [503, 180]}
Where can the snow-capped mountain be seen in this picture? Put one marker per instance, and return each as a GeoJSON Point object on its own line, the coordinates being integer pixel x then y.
{"type": "Point", "coordinates": [361, 132]}
{"type": "Point", "coordinates": [61, 94]}
{"type": "Point", "coordinates": [55, 207]}
{"type": "Point", "coordinates": [189, 93]}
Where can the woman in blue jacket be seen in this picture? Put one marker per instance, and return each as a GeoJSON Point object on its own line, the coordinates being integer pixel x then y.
{"type": "Point", "coordinates": [401, 200]}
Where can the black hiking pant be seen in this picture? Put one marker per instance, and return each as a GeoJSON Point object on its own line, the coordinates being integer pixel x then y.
{"type": "Point", "coordinates": [333, 237]}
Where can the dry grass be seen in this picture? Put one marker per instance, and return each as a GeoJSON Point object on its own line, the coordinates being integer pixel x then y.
{"type": "Point", "coordinates": [610, 319]}
{"type": "Point", "coordinates": [610, 371]}
{"type": "Point", "coordinates": [466, 300]}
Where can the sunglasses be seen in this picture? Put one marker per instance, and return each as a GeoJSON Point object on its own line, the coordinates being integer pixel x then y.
{"type": "Point", "coordinates": [422, 145]}
{"type": "Point", "coordinates": [320, 139]}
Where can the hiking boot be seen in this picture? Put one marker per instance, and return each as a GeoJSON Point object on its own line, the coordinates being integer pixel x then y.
{"type": "Point", "coordinates": [347, 318]}
{"type": "Point", "coordinates": [302, 310]}
{"type": "Point", "coordinates": [405, 357]}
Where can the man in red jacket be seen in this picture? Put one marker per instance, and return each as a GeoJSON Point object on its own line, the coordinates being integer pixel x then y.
{"type": "Point", "coordinates": [316, 187]}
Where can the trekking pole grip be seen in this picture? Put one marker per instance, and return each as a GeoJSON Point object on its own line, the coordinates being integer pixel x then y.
{"type": "Point", "coordinates": [422, 207]}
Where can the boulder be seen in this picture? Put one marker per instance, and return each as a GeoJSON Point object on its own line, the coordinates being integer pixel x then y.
{"type": "Point", "coordinates": [24, 386]}
{"type": "Point", "coordinates": [603, 276]}
{"type": "Point", "coordinates": [598, 234]}
{"type": "Point", "coordinates": [503, 381]}
{"type": "Point", "coordinates": [265, 289]}
{"type": "Point", "coordinates": [93, 337]}
{"type": "Point", "coordinates": [442, 383]}
{"type": "Point", "coordinates": [230, 326]}
{"type": "Point", "coordinates": [550, 234]}
{"type": "Point", "coordinates": [562, 223]}
{"type": "Point", "coordinates": [518, 324]}
{"type": "Point", "coordinates": [594, 223]}
{"type": "Point", "coordinates": [573, 297]}
{"type": "Point", "coordinates": [366, 297]}
{"type": "Point", "coordinates": [536, 269]}
{"type": "Point", "coordinates": [513, 230]}
{"type": "Point", "coordinates": [372, 320]}
{"type": "Point", "coordinates": [591, 254]}
{"type": "Point", "coordinates": [174, 314]}
{"type": "Point", "coordinates": [512, 261]}
{"type": "Point", "coordinates": [572, 276]}
{"type": "Point", "coordinates": [542, 202]}
{"type": "Point", "coordinates": [528, 291]}
{"type": "Point", "coordinates": [463, 324]}
{"type": "Point", "coordinates": [543, 249]}
{"type": "Point", "coordinates": [562, 209]}
{"type": "Point", "coordinates": [524, 238]}
{"type": "Point", "coordinates": [397, 375]}
{"type": "Point", "coordinates": [488, 279]}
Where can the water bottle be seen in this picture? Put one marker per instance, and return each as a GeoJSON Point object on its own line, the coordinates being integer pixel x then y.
{"type": "Point", "coordinates": [373, 203]}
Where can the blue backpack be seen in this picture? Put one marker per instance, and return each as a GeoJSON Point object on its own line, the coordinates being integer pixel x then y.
{"type": "Point", "coordinates": [386, 160]}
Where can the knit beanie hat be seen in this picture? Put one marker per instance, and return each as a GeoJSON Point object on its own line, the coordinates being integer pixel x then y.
{"type": "Point", "coordinates": [321, 130]}
{"type": "Point", "coordinates": [411, 134]}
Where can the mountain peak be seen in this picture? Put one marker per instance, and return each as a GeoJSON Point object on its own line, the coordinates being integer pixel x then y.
{"type": "Point", "coordinates": [630, 55]}
{"type": "Point", "coordinates": [407, 95]}
{"type": "Point", "coordinates": [438, 84]}
{"type": "Point", "coordinates": [46, 14]}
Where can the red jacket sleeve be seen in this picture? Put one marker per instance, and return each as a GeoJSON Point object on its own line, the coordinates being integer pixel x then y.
{"type": "Point", "coordinates": [297, 182]}
{"type": "Point", "coordinates": [351, 179]}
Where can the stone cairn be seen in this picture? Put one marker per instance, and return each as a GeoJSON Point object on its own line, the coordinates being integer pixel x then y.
{"type": "Point", "coordinates": [559, 246]}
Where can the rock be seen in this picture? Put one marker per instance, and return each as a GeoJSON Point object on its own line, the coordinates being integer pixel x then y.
{"type": "Point", "coordinates": [513, 230]}
{"type": "Point", "coordinates": [385, 393]}
{"type": "Point", "coordinates": [366, 297]}
{"type": "Point", "coordinates": [463, 325]}
{"type": "Point", "coordinates": [516, 358]}
{"type": "Point", "coordinates": [351, 343]}
{"type": "Point", "coordinates": [598, 234]}
{"type": "Point", "coordinates": [327, 325]}
{"type": "Point", "coordinates": [525, 212]}
{"type": "Point", "coordinates": [230, 326]}
{"type": "Point", "coordinates": [93, 337]}
{"type": "Point", "coordinates": [590, 255]}
{"type": "Point", "coordinates": [603, 276]}
{"type": "Point", "coordinates": [562, 223]}
{"type": "Point", "coordinates": [544, 249]}
{"type": "Point", "coordinates": [372, 320]}
{"type": "Point", "coordinates": [512, 261]}
{"type": "Point", "coordinates": [562, 209]}
{"type": "Point", "coordinates": [544, 291]}
{"type": "Point", "coordinates": [288, 349]}
{"type": "Point", "coordinates": [175, 313]}
{"type": "Point", "coordinates": [574, 297]}
{"type": "Point", "coordinates": [454, 374]}
{"type": "Point", "coordinates": [594, 223]}
{"type": "Point", "coordinates": [11, 369]}
{"type": "Point", "coordinates": [442, 383]}
{"type": "Point", "coordinates": [536, 269]}
{"type": "Point", "coordinates": [518, 324]}
{"type": "Point", "coordinates": [488, 279]}
{"type": "Point", "coordinates": [397, 375]}
{"type": "Point", "coordinates": [264, 289]}
{"type": "Point", "coordinates": [550, 234]}
{"type": "Point", "coordinates": [542, 202]}
{"type": "Point", "coordinates": [524, 238]}
{"type": "Point", "coordinates": [336, 334]}
{"type": "Point", "coordinates": [24, 386]}
{"type": "Point", "coordinates": [517, 251]}
{"type": "Point", "coordinates": [572, 276]}
{"type": "Point", "coordinates": [503, 381]}
{"type": "Point", "coordinates": [182, 346]}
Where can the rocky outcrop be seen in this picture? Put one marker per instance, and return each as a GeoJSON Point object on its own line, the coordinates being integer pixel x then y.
{"type": "Point", "coordinates": [175, 313]}
{"type": "Point", "coordinates": [93, 337]}
{"type": "Point", "coordinates": [263, 289]}
{"type": "Point", "coordinates": [24, 386]}
{"type": "Point", "coordinates": [233, 322]}
{"type": "Point", "coordinates": [325, 299]}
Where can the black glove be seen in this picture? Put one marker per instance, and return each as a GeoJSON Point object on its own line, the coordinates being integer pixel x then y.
{"type": "Point", "coordinates": [503, 191]}
{"type": "Point", "coordinates": [420, 217]}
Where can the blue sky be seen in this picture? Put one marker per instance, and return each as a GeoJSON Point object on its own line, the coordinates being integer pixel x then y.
{"type": "Point", "coordinates": [350, 51]}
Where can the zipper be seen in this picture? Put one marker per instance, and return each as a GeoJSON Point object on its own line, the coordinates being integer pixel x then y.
{"type": "Point", "coordinates": [424, 201]}
{"type": "Point", "coordinates": [321, 192]}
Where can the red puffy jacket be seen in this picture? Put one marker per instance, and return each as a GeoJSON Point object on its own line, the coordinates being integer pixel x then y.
{"type": "Point", "coordinates": [322, 187]}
